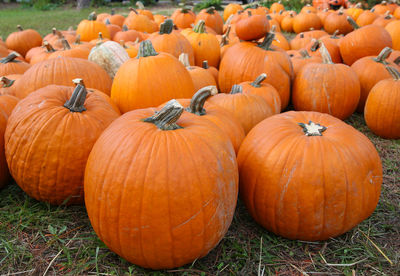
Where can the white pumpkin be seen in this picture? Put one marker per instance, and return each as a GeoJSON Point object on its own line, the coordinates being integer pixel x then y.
{"type": "Point", "coordinates": [110, 55]}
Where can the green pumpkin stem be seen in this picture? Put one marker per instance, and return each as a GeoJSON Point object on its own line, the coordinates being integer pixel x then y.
{"type": "Point", "coordinates": [312, 129]}
{"type": "Point", "coordinates": [185, 10]}
{"type": "Point", "coordinates": [6, 82]}
{"type": "Point", "coordinates": [268, 39]}
{"type": "Point", "coordinates": [383, 55]}
{"type": "Point", "coordinates": [77, 100]}
{"type": "Point", "coordinates": [395, 74]}
{"type": "Point", "coordinates": [10, 58]}
{"type": "Point", "coordinates": [146, 49]}
{"type": "Point", "coordinates": [166, 118]}
{"type": "Point", "coordinates": [210, 10]}
{"type": "Point", "coordinates": [197, 102]}
{"type": "Point", "coordinates": [200, 27]}
{"type": "Point", "coordinates": [326, 57]}
{"type": "Point", "coordinates": [352, 22]}
{"type": "Point", "coordinates": [92, 16]}
{"type": "Point", "coordinates": [257, 82]}
{"type": "Point", "coordinates": [54, 31]}
{"type": "Point", "coordinates": [166, 27]}
{"type": "Point", "coordinates": [304, 54]}
{"type": "Point", "coordinates": [19, 28]}
{"type": "Point", "coordinates": [249, 13]}
{"type": "Point", "coordinates": [236, 88]}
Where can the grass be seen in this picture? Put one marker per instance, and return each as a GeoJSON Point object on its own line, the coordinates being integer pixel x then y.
{"type": "Point", "coordinates": [37, 239]}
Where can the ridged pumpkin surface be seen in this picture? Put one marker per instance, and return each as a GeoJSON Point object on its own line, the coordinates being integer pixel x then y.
{"type": "Point", "coordinates": [308, 187]}
{"type": "Point", "coordinates": [161, 198]}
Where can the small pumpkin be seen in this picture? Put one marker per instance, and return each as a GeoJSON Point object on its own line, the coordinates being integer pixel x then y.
{"type": "Point", "coordinates": [139, 22]}
{"type": "Point", "coordinates": [200, 76]}
{"type": "Point", "coordinates": [230, 9]}
{"type": "Point", "coordinates": [366, 18]}
{"type": "Point", "coordinates": [211, 18]}
{"type": "Point", "coordinates": [301, 60]}
{"type": "Point", "coordinates": [305, 21]}
{"type": "Point", "coordinates": [183, 18]}
{"type": "Point", "coordinates": [113, 29]}
{"type": "Point", "coordinates": [337, 22]}
{"type": "Point", "coordinates": [23, 40]}
{"type": "Point", "coordinates": [10, 65]}
{"type": "Point", "coordinates": [252, 27]}
{"type": "Point", "coordinates": [89, 29]}
{"type": "Point", "coordinates": [127, 35]}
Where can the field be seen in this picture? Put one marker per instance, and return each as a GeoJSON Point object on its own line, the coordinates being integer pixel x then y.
{"type": "Point", "coordinates": [39, 239]}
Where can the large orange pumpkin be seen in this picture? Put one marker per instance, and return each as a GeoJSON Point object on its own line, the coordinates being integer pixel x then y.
{"type": "Point", "coordinates": [211, 18]}
{"type": "Point", "coordinates": [393, 28]}
{"type": "Point", "coordinates": [89, 29]}
{"type": "Point", "coordinates": [48, 161]}
{"type": "Point", "coordinates": [174, 160]}
{"type": "Point", "coordinates": [308, 175]}
{"type": "Point", "coordinates": [23, 40]}
{"type": "Point", "coordinates": [305, 21]}
{"type": "Point", "coordinates": [150, 80]}
{"type": "Point", "coordinates": [382, 109]}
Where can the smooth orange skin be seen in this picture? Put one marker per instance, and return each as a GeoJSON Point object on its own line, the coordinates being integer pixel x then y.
{"type": "Point", "coordinates": [141, 23]}
{"type": "Point", "coordinates": [7, 104]}
{"type": "Point", "coordinates": [298, 42]}
{"type": "Point", "coordinates": [4, 51]}
{"type": "Point", "coordinates": [89, 30]}
{"type": "Point", "coordinates": [248, 109]}
{"type": "Point", "coordinates": [54, 40]}
{"type": "Point", "coordinates": [396, 13]}
{"type": "Point", "coordinates": [159, 19]}
{"type": "Point", "coordinates": [252, 27]}
{"type": "Point", "coordinates": [214, 72]}
{"type": "Point", "coordinates": [369, 73]}
{"type": "Point", "coordinates": [61, 71]}
{"type": "Point", "coordinates": [287, 23]}
{"type": "Point", "coordinates": [48, 161]}
{"type": "Point", "coordinates": [113, 29]}
{"type": "Point", "coordinates": [276, 7]}
{"type": "Point", "coordinates": [117, 19]}
{"type": "Point", "coordinates": [366, 41]}
{"type": "Point", "coordinates": [23, 41]}
{"type": "Point", "coordinates": [130, 35]}
{"type": "Point", "coordinates": [354, 12]}
{"type": "Point", "coordinates": [103, 16]}
{"type": "Point", "coordinates": [205, 47]}
{"type": "Point", "coordinates": [200, 77]}
{"type": "Point", "coordinates": [241, 62]}
{"type": "Point", "coordinates": [77, 52]}
{"type": "Point", "coordinates": [366, 18]}
{"type": "Point", "coordinates": [314, 34]}
{"type": "Point", "coordinates": [393, 28]}
{"type": "Point", "coordinates": [147, 13]}
{"type": "Point", "coordinates": [382, 21]}
{"type": "Point", "coordinates": [308, 187]}
{"type": "Point", "coordinates": [13, 67]}
{"type": "Point", "coordinates": [308, 8]}
{"type": "Point", "coordinates": [382, 109]}
{"type": "Point", "coordinates": [281, 42]}
{"type": "Point", "coordinates": [150, 81]}
{"type": "Point", "coordinates": [223, 119]}
{"type": "Point", "coordinates": [31, 53]}
{"type": "Point", "coordinates": [230, 9]}
{"type": "Point", "coordinates": [326, 88]}
{"type": "Point", "coordinates": [213, 21]}
{"type": "Point", "coordinates": [299, 62]}
{"type": "Point", "coordinates": [267, 92]}
{"type": "Point", "coordinates": [305, 21]}
{"type": "Point", "coordinates": [337, 22]}
{"type": "Point", "coordinates": [195, 194]}
{"type": "Point", "coordinates": [183, 20]}
{"type": "Point", "coordinates": [173, 43]}
{"type": "Point", "coordinates": [381, 9]}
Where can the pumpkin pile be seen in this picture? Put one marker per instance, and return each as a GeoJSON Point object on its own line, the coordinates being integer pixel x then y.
{"type": "Point", "coordinates": [152, 120]}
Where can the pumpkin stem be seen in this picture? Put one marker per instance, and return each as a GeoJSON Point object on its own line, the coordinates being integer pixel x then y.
{"type": "Point", "coordinates": [228, 21]}
{"type": "Point", "coordinates": [257, 82]}
{"type": "Point", "coordinates": [269, 17]}
{"type": "Point", "coordinates": [301, 35]}
{"type": "Point", "coordinates": [65, 44]}
{"type": "Point", "coordinates": [352, 22]}
{"type": "Point", "coordinates": [166, 27]}
{"type": "Point", "coordinates": [199, 27]}
{"type": "Point", "coordinates": [10, 58]}
{"type": "Point", "coordinates": [358, 5]}
{"type": "Point", "coordinates": [185, 10]}
{"type": "Point", "coordinates": [125, 28]}
{"type": "Point", "coordinates": [48, 47]}
{"type": "Point", "coordinates": [112, 11]}
{"type": "Point", "coordinates": [304, 54]}
{"type": "Point", "coordinates": [139, 5]}
{"type": "Point", "coordinates": [397, 61]}
{"type": "Point", "coordinates": [78, 39]}
{"type": "Point", "coordinates": [77, 100]}
{"type": "Point", "coordinates": [134, 10]}
{"type": "Point", "coordinates": [205, 64]}
{"type": "Point", "coordinates": [184, 59]}
{"type": "Point", "coordinates": [210, 10]}
{"type": "Point", "coordinates": [315, 45]}
{"type": "Point", "coordinates": [107, 22]}
{"type": "Point", "coordinates": [395, 74]}
{"type": "Point", "coordinates": [198, 100]}
{"type": "Point", "coordinates": [383, 55]}
{"type": "Point", "coordinates": [146, 49]}
{"type": "Point", "coordinates": [236, 88]}
{"type": "Point", "coordinates": [268, 39]}
{"type": "Point", "coordinates": [225, 37]}
{"type": "Point", "coordinates": [312, 129]}
{"type": "Point", "coordinates": [92, 16]}
{"type": "Point", "coordinates": [54, 31]}
{"type": "Point", "coordinates": [6, 82]}
{"type": "Point", "coordinates": [166, 118]}
{"type": "Point", "coordinates": [335, 34]}
{"type": "Point", "coordinates": [326, 57]}
{"type": "Point", "coordinates": [249, 13]}
{"type": "Point", "coordinates": [19, 28]}
{"type": "Point", "coordinates": [388, 15]}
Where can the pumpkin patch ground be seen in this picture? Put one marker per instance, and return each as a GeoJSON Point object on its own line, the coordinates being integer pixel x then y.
{"type": "Point", "coordinates": [189, 233]}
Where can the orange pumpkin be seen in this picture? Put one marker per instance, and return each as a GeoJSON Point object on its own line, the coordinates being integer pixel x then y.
{"type": "Point", "coordinates": [173, 234]}
{"type": "Point", "coordinates": [337, 22]}
{"type": "Point", "coordinates": [306, 21]}
{"type": "Point", "coordinates": [301, 60]}
{"type": "Point", "coordinates": [393, 28]}
{"type": "Point", "coordinates": [200, 76]}
{"type": "Point", "coordinates": [308, 175]}
{"type": "Point", "coordinates": [10, 65]}
{"type": "Point", "coordinates": [23, 40]}
{"type": "Point", "coordinates": [212, 19]}
{"type": "Point", "coordinates": [252, 27]}
{"type": "Point", "coordinates": [230, 9]}
{"type": "Point", "coordinates": [183, 18]}
{"type": "Point", "coordinates": [89, 29]}
{"type": "Point", "coordinates": [366, 18]}
{"type": "Point", "coordinates": [127, 35]}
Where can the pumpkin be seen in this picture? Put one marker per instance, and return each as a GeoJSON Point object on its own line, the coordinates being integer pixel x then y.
{"type": "Point", "coordinates": [150, 80]}
{"type": "Point", "coordinates": [299, 41]}
{"type": "Point", "coordinates": [89, 29]}
{"type": "Point", "coordinates": [323, 14]}
{"type": "Point", "coordinates": [395, 57]}
{"type": "Point", "coordinates": [10, 65]}
{"type": "Point", "coordinates": [280, 40]}
{"type": "Point", "coordinates": [110, 56]}
{"type": "Point", "coordinates": [102, 16]}
{"type": "Point", "coordinates": [141, 10]}
{"type": "Point", "coordinates": [308, 8]}
{"type": "Point", "coordinates": [127, 35]}
{"type": "Point", "coordinates": [276, 7]}
{"type": "Point", "coordinates": [382, 111]}
{"type": "Point", "coordinates": [7, 86]}
{"type": "Point", "coordinates": [200, 76]}
{"type": "Point", "coordinates": [241, 62]}
{"type": "Point", "coordinates": [169, 41]}
{"type": "Point", "coordinates": [205, 45]}
{"type": "Point", "coordinates": [56, 36]}
{"type": "Point", "coordinates": [381, 8]}
{"type": "Point", "coordinates": [146, 141]}
{"type": "Point", "coordinates": [334, 38]}
{"type": "Point", "coordinates": [393, 28]}
{"type": "Point", "coordinates": [362, 42]}
{"type": "Point", "coordinates": [45, 51]}
{"type": "Point", "coordinates": [265, 90]}
{"type": "Point", "coordinates": [287, 22]}
{"type": "Point", "coordinates": [355, 11]}
{"type": "Point", "coordinates": [326, 87]}
{"type": "Point", "coordinates": [116, 19]}
{"type": "Point", "coordinates": [383, 20]}
{"type": "Point", "coordinates": [113, 29]}
{"type": "Point", "coordinates": [337, 22]}
{"type": "Point", "coordinates": [308, 176]}
{"type": "Point", "coordinates": [231, 9]}
{"type": "Point", "coordinates": [183, 18]}
{"type": "Point", "coordinates": [397, 13]}
{"type": "Point", "coordinates": [159, 19]}
{"type": "Point", "coordinates": [61, 71]}
{"type": "Point", "coordinates": [366, 18]}
{"type": "Point", "coordinates": [132, 50]}
{"type": "Point", "coordinates": [314, 46]}
{"type": "Point", "coordinates": [226, 42]}
{"type": "Point", "coordinates": [315, 34]}
{"type": "Point", "coordinates": [371, 70]}
{"type": "Point", "coordinates": [63, 125]}
{"type": "Point", "coordinates": [301, 60]}
{"type": "Point", "coordinates": [211, 69]}
{"type": "Point", "coordinates": [23, 40]}
{"type": "Point", "coordinates": [211, 18]}
{"type": "Point", "coordinates": [140, 22]}
{"type": "Point", "coordinates": [306, 21]}
{"type": "Point", "coordinates": [252, 27]}
{"type": "Point", "coordinates": [248, 108]}
{"type": "Point", "coordinates": [68, 51]}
